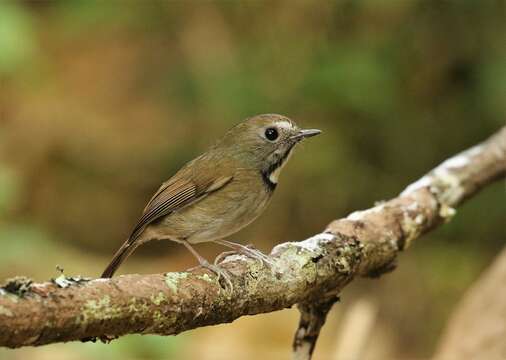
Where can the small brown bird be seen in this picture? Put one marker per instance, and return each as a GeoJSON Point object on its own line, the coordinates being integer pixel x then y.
{"type": "Point", "coordinates": [219, 192]}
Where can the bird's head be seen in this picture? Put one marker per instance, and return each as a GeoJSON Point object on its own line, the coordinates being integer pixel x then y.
{"type": "Point", "coordinates": [264, 142]}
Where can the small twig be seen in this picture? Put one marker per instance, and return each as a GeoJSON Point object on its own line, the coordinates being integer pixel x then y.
{"type": "Point", "coordinates": [312, 318]}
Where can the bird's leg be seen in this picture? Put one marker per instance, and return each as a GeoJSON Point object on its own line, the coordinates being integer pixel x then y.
{"type": "Point", "coordinates": [222, 256]}
{"type": "Point", "coordinates": [245, 250]}
{"type": "Point", "coordinates": [214, 268]}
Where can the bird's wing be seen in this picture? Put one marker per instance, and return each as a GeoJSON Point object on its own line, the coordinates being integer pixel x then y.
{"type": "Point", "coordinates": [182, 189]}
{"type": "Point", "coordinates": [191, 184]}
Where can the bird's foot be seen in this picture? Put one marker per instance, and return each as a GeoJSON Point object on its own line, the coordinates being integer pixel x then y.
{"type": "Point", "coordinates": [250, 251]}
{"type": "Point", "coordinates": [221, 273]}
{"type": "Point", "coordinates": [247, 250]}
{"type": "Point", "coordinates": [222, 256]}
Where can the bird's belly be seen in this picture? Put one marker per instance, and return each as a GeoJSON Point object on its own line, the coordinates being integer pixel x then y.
{"type": "Point", "coordinates": [217, 216]}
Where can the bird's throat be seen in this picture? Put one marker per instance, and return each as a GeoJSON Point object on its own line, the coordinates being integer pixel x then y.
{"type": "Point", "coordinates": [271, 186]}
{"type": "Point", "coordinates": [271, 174]}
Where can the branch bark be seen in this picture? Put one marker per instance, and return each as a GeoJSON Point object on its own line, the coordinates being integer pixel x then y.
{"type": "Point", "coordinates": [365, 243]}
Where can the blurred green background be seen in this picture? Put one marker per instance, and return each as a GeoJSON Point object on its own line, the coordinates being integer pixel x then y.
{"type": "Point", "coordinates": [101, 101]}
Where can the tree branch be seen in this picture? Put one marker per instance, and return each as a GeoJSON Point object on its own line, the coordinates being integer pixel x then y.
{"type": "Point", "coordinates": [365, 243]}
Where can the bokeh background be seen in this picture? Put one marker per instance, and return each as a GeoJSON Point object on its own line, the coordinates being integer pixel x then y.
{"type": "Point", "coordinates": [100, 101]}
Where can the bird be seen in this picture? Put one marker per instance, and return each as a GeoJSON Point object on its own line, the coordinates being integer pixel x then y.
{"type": "Point", "coordinates": [219, 192]}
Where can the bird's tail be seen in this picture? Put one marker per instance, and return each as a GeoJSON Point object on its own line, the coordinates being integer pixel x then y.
{"type": "Point", "coordinates": [124, 251]}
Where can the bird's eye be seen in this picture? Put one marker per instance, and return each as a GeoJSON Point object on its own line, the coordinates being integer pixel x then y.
{"type": "Point", "coordinates": [271, 134]}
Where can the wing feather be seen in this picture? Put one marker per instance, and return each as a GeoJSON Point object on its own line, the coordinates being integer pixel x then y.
{"type": "Point", "coordinates": [176, 193]}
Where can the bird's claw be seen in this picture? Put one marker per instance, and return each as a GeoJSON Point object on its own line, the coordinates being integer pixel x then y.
{"type": "Point", "coordinates": [222, 256]}
{"type": "Point", "coordinates": [249, 251]}
{"type": "Point", "coordinates": [221, 273]}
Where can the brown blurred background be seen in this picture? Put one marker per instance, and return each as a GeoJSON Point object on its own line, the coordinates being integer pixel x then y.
{"type": "Point", "coordinates": [100, 101]}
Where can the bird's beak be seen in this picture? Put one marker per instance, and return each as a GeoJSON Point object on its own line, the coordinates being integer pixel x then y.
{"type": "Point", "coordinates": [305, 133]}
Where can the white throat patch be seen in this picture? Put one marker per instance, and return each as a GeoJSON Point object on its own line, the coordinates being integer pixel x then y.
{"type": "Point", "coordinates": [274, 176]}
